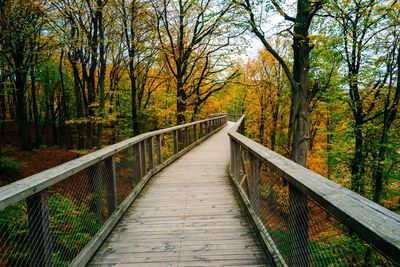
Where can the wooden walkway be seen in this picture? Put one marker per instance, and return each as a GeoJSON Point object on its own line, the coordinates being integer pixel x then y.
{"type": "Point", "coordinates": [187, 215]}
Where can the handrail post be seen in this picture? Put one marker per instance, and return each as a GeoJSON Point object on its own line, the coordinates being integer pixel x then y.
{"type": "Point", "coordinates": [195, 132]}
{"type": "Point", "coordinates": [237, 161]}
{"type": "Point", "coordinates": [39, 230]}
{"type": "Point", "coordinates": [201, 130]}
{"type": "Point", "coordinates": [176, 141]}
{"type": "Point", "coordinates": [158, 149]}
{"type": "Point", "coordinates": [298, 227]}
{"type": "Point", "coordinates": [187, 137]}
{"type": "Point", "coordinates": [143, 157]}
{"type": "Point", "coordinates": [111, 185]}
{"type": "Point", "coordinates": [232, 155]}
{"type": "Point", "coordinates": [138, 164]}
{"type": "Point", "coordinates": [150, 152]}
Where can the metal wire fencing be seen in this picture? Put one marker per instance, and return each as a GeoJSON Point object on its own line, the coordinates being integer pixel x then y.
{"type": "Point", "coordinates": [61, 215]}
{"type": "Point", "coordinates": [298, 230]}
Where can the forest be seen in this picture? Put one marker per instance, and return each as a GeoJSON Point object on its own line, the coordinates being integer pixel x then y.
{"type": "Point", "coordinates": [317, 80]}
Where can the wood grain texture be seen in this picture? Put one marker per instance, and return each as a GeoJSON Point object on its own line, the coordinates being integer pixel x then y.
{"type": "Point", "coordinates": [188, 215]}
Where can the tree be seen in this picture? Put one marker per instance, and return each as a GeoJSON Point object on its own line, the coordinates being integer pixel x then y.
{"type": "Point", "coordinates": [360, 23]}
{"type": "Point", "coordinates": [82, 31]}
{"type": "Point", "coordinates": [192, 36]}
{"type": "Point", "coordinates": [21, 28]}
{"type": "Point", "coordinates": [140, 38]}
{"type": "Point", "coordinates": [302, 90]}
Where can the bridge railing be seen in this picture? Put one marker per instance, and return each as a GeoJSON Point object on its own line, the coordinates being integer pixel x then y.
{"type": "Point", "coordinates": [305, 219]}
{"type": "Point", "coordinates": [60, 217]}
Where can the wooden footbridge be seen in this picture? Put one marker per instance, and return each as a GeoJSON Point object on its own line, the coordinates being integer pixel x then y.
{"type": "Point", "coordinates": [169, 198]}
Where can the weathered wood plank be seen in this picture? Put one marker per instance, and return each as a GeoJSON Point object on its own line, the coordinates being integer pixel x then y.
{"type": "Point", "coordinates": [188, 213]}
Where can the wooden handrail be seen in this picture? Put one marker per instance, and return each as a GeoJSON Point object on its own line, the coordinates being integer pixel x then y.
{"type": "Point", "coordinates": [375, 224]}
{"type": "Point", "coordinates": [31, 185]}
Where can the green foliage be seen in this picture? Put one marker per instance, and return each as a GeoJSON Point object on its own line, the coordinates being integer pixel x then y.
{"type": "Point", "coordinates": [72, 227]}
{"type": "Point", "coordinates": [7, 164]}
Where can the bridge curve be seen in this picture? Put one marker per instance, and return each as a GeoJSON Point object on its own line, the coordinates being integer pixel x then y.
{"type": "Point", "coordinates": [187, 215]}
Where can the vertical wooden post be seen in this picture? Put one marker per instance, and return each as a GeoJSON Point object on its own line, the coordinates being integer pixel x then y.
{"type": "Point", "coordinates": [95, 182]}
{"type": "Point", "coordinates": [187, 137]}
{"type": "Point", "coordinates": [195, 133]}
{"type": "Point", "coordinates": [143, 157]}
{"type": "Point", "coordinates": [254, 182]}
{"type": "Point", "coordinates": [111, 185]}
{"type": "Point", "coordinates": [39, 239]}
{"type": "Point", "coordinates": [298, 227]}
{"type": "Point", "coordinates": [138, 163]}
{"type": "Point", "coordinates": [150, 152]}
{"type": "Point", "coordinates": [175, 137]}
{"type": "Point", "coordinates": [158, 149]}
{"type": "Point", "coordinates": [232, 155]}
{"type": "Point", "coordinates": [201, 130]}
{"type": "Point", "coordinates": [238, 161]}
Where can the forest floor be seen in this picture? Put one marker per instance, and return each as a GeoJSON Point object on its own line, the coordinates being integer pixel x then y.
{"type": "Point", "coordinates": [32, 161]}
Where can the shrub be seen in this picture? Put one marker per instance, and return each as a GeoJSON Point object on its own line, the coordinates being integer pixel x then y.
{"type": "Point", "coordinates": [7, 164]}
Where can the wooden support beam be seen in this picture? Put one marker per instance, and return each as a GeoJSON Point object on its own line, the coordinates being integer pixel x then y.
{"type": "Point", "coordinates": [195, 133]}
{"type": "Point", "coordinates": [143, 157]}
{"type": "Point", "coordinates": [158, 149]}
{"type": "Point", "coordinates": [40, 241]}
{"type": "Point", "coordinates": [176, 141]}
{"type": "Point", "coordinates": [187, 137]}
{"type": "Point", "coordinates": [150, 152]}
{"type": "Point", "coordinates": [111, 185]}
{"type": "Point", "coordinates": [237, 161]}
{"type": "Point", "coordinates": [138, 165]}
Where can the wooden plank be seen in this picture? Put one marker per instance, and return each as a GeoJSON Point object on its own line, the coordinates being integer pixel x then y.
{"type": "Point", "coordinates": [143, 153]}
{"type": "Point", "coordinates": [88, 251]}
{"type": "Point", "coordinates": [182, 216]}
{"type": "Point", "coordinates": [158, 149]}
{"type": "Point", "coordinates": [40, 242]}
{"type": "Point", "coordinates": [150, 152]}
{"type": "Point", "coordinates": [176, 141]}
{"type": "Point", "coordinates": [111, 185]}
{"type": "Point", "coordinates": [138, 165]}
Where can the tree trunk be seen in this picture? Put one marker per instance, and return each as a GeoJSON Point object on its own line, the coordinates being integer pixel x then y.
{"type": "Point", "coordinates": [357, 169]}
{"type": "Point", "coordinates": [390, 114]}
{"type": "Point", "coordinates": [35, 110]}
{"type": "Point", "coordinates": [180, 103]}
{"type": "Point", "coordinates": [78, 104]}
{"type": "Point", "coordinates": [301, 94]}
{"type": "Point", "coordinates": [275, 116]}
{"type": "Point", "coordinates": [3, 110]}
{"type": "Point", "coordinates": [20, 81]}
{"type": "Point", "coordinates": [99, 15]}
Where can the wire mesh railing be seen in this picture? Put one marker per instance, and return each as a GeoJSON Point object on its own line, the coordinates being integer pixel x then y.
{"type": "Point", "coordinates": [60, 217]}
{"type": "Point", "coordinates": [305, 219]}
